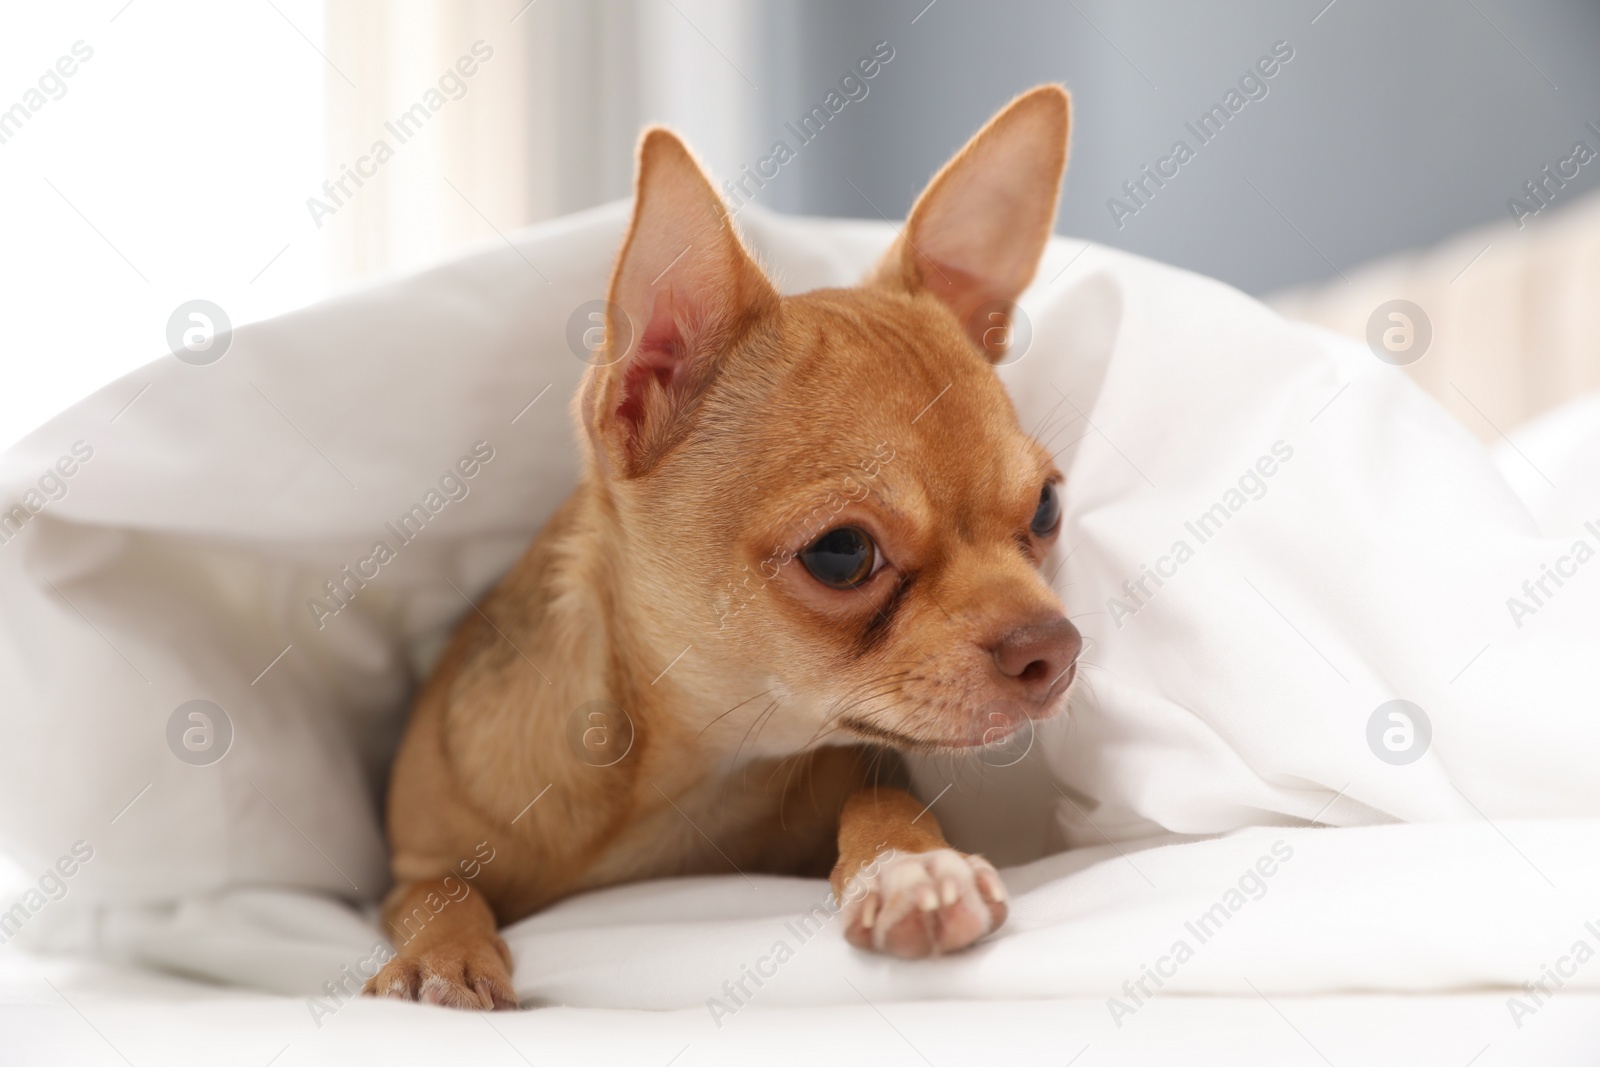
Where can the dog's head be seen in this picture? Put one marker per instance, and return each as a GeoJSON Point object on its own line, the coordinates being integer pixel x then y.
{"type": "Point", "coordinates": [827, 498]}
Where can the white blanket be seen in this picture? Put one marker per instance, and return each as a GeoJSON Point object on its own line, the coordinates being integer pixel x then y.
{"type": "Point", "coordinates": [55, 1012]}
{"type": "Point", "coordinates": [1347, 545]}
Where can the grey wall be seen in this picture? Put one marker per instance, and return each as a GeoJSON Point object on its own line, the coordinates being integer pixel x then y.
{"type": "Point", "coordinates": [1394, 125]}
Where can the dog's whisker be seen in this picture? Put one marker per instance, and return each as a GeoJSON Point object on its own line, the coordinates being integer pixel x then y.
{"type": "Point", "coordinates": [769, 709]}
{"type": "Point", "coordinates": [764, 718]}
{"type": "Point", "coordinates": [789, 765]}
{"type": "Point", "coordinates": [1044, 420]}
{"type": "Point", "coordinates": [731, 710]}
{"type": "Point", "coordinates": [1046, 442]}
{"type": "Point", "coordinates": [877, 693]}
{"type": "Point", "coordinates": [880, 690]}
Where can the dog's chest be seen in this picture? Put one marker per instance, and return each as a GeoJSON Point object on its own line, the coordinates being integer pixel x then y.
{"type": "Point", "coordinates": [746, 821]}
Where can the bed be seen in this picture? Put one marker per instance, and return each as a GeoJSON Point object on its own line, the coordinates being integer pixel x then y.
{"type": "Point", "coordinates": [1230, 850]}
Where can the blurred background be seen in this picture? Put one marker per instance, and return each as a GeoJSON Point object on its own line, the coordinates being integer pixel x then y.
{"type": "Point", "coordinates": [231, 151]}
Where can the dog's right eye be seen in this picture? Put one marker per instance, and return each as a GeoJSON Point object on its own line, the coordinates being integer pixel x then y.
{"type": "Point", "coordinates": [1048, 513]}
{"type": "Point", "coordinates": [841, 559]}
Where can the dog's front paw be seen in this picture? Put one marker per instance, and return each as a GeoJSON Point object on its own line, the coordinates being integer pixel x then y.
{"type": "Point", "coordinates": [475, 977]}
{"type": "Point", "coordinates": [921, 904]}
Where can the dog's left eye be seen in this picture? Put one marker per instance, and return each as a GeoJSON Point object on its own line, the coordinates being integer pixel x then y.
{"type": "Point", "coordinates": [1048, 514]}
{"type": "Point", "coordinates": [841, 558]}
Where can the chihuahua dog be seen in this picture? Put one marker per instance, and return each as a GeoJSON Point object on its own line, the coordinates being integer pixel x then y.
{"type": "Point", "coordinates": [808, 537]}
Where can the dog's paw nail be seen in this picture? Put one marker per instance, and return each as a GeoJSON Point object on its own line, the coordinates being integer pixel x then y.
{"type": "Point", "coordinates": [949, 892]}
{"type": "Point", "coordinates": [436, 990]}
{"type": "Point", "coordinates": [929, 901]}
{"type": "Point", "coordinates": [869, 911]}
{"type": "Point", "coordinates": [492, 996]}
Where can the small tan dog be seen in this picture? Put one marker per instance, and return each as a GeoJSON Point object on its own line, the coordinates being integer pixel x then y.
{"type": "Point", "coordinates": [808, 535]}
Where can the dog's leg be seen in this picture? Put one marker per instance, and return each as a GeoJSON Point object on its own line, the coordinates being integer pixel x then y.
{"type": "Point", "coordinates": [904, 890]}
{"type": "Point", "coordinates": [447, 949]}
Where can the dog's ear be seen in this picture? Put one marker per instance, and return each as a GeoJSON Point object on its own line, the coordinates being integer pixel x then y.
{"type": "Point", "coordinates": [688, 290]}
{"type": "Point", "coordinates": [977, 231]}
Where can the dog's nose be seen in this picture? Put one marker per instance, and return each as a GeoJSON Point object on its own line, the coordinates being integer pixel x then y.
{"type": "Point", "coordinates": [1039, 655]}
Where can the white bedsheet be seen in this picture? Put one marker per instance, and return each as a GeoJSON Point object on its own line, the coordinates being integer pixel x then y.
{"type": "Point", "coordinates": [1232, 705]}
{"type": "Point", "coordinates": [75, 1013]}
{"type": "Point", "coordinates": [1126, 931]}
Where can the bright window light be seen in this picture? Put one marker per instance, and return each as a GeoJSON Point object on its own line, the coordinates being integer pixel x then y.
{"type": "Point", "coordinates": [151, 153]}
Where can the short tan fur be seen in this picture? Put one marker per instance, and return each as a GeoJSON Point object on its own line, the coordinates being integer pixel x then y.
{"type": "Point", "coordinates": [680, 584]}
